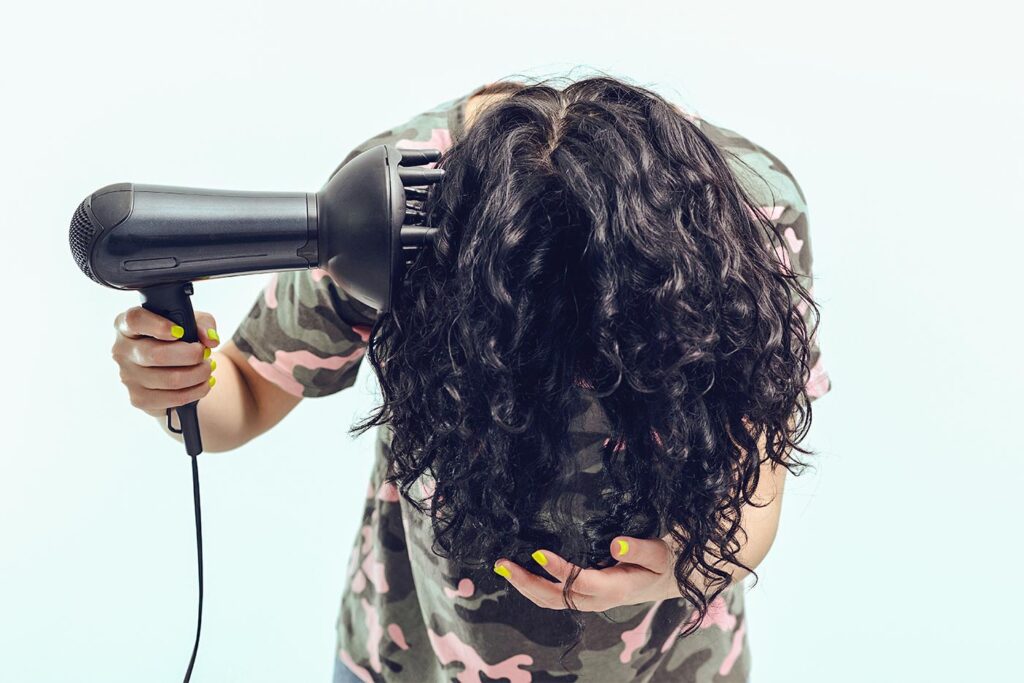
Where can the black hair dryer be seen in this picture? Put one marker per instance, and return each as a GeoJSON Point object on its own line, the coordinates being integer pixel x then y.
{"type": "Point", "coordinates": [364, 227]}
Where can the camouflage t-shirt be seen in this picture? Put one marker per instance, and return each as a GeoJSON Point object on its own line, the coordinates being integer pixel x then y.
{"type": "Point", "coordinates": [409, 615]}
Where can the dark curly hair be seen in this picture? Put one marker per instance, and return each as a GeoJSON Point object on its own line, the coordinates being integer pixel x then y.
{"type": "Point", "coordinates": [593, 246]}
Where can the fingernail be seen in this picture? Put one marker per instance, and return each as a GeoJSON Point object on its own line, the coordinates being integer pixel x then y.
{"type": "Point", "coordinates": [213, 380]}
{"type": "Point", "coordinates": [213, 365]}
{"type": "Point", "coordinates": [540, 558]}
{"type": "Point", "coordinates": [206, 353]}
{"type": "Point", "coordinates": [502, 571]}
{"type": "Point", "coordinates": [177, 331]}
{"type": "Point", "coordinates": [623, 547]}
{"type": "Point", "coordinates": [212, 334]}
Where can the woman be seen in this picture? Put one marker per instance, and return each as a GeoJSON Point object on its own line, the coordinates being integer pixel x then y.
{"type": "Point", "coordinates": [593, 385]}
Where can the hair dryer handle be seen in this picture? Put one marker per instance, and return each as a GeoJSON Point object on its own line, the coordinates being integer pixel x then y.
{"type": "Point", "coordinates": [172, 302]}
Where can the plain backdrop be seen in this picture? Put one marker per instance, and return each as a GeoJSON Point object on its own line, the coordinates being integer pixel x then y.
{"type": "Point", "coordinates": [897, 558]}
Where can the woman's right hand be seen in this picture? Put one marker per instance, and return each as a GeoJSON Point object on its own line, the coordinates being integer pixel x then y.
{"type": "Point", "coordinates": [159, 369]}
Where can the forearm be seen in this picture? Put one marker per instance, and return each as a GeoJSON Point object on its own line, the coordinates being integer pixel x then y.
{"type": "Point", "coordinates": [227, 415]}
{"type": "Point", "coordinates": [759, 524]}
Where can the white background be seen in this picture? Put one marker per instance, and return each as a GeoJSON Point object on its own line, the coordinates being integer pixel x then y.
{"type": "Point", "coordinates": [897, 560]}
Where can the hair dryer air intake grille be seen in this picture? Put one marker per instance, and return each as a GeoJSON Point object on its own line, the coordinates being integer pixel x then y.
{"type": "Point", "coordinates": [80, 238]}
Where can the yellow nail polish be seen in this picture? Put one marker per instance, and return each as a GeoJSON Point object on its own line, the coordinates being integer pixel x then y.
{"type": "Point", "coordinates": [213, 365]}
{"type": "Point", "coordinates": [540, 558]}
{"type": "Point", "coordinates": [623, 547]}
{"type": "Point", "coordinates": [502, 571]}
{"type": "Point", "coordinates": [177, 331]}
{"type": "Point", "coordinates": [206, 353]}
{"type": "Point", "coordinates": [212, 334]}
{"type": "Point", "coordinates": [213, 380]}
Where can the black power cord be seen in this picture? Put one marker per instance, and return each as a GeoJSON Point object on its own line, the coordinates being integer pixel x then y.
{"type": "Point", "coordinates": [199, 548]}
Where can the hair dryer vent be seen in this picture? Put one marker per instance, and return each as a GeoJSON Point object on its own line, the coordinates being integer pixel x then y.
{"type": "Point", "coordinates": [81, 237]}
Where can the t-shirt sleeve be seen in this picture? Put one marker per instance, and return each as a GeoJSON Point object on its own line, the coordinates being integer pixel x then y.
{"type": "Point", "coordinates": [781, 199]}
{"type": "Point", "coordinates": [304, 333]}
{"type": "Point", "coordinates": [791, 222]}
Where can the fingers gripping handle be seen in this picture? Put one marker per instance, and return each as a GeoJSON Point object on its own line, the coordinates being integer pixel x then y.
{"type": "Point", "coordinates": [172, 302]}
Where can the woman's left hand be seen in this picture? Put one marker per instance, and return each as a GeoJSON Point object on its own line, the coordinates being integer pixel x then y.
{"type": "Point", "coordinates": [644, 573]}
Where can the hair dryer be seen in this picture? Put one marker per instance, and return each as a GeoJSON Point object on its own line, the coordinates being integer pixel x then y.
{"type": "Point", "coordinates": [364, 227]}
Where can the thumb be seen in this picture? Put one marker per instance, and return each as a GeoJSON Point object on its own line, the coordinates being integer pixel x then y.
{"type": "Point", "coordinates": [649, 553]}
